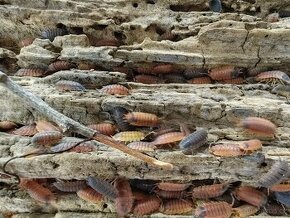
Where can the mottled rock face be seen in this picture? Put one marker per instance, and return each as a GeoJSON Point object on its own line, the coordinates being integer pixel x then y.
{"type": "Point", "coordinates": [115, 40]}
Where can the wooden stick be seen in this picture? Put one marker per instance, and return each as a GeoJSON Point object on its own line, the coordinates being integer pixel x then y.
{"type": "Point", "coordinates": [68, 124]}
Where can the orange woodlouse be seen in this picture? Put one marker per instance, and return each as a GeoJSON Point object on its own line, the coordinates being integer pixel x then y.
{"type": "Point", "coordinates": [147, 79]}
{"type": "Point", "coordinates": [164, 68]}
{"type": "Point", "coordinates": [169, 194]}
{"type": "Point", "coordinates": [70, 186]}
{"type": "Point", "coordinates": [225, 73]}
{"type": "Point", "coordinates": [7, 125]}
{"type": "Point", "coordinates": [250, 195]}
{"type": "Point", "coordinates": [142, 119]}
{"type": "Point", "coordinates": [142, 146]}
{"type": "Point", "coordinates": [193, 141]}
{"type": "Point", "coordinates": [245, 210]}
{"type": "Point", "coordinates": [214, 210]}
{"type": "Point", "coordinates": [83, 148]}
{"type": "Point", "coordinates": [146, 206]}
{"type": "Point", "coordinates": [28, 130]}
{"type": "Point", "coordinates": [278, 172]}
{"type": "Point", "coordinates": [115, 89]}
{"type": "Point", "coordinates": [200, 80]}
{"type": "Point", "coordinates": [145, 70]}
{"type": "Point", "coordinates": [104, 128]}
{"type": "Point", "coordinates": [129, 136]}
{"type": "Point", "coordinates": [43, 125]}
{"type": "Point", "coordinates": [37, 191]}
{"type": "Point", "coordinates": [239, 80]}
{"type": "Point", "coordinates": [59, 65]}
{"type": "Point", "coordinates": [34, 72]}
{"type": "Point", "coordinates": [25, 42]}
{"type": "Point", "coordinates": [47, 138]}
{"type": "Point", "coordinates": [90, 195]}
{"type": "Point", "coordinates": [51, 33]}
{"type": "Point", "coordinates": [251, 145]}
{"type": "Point", "coordinates": [124, 200]}
{"type": "Point", "coordinates": [118, 115]}
{"type": "Point", "coordinates": [226, 150]}
{"type": "Point", "coordinates": [168, 186]}
{"type": "Point", "coordinates": [176, 207]}
{"type": "Point", "coordinates": [258, 125]}
{"type": "Point", "coordinates": [273, 77]}
{"type": "Point", "coordinates": [67, 85]}
{"type": "Point", "coordinates": [209, 191]}
{"type": "Point", "coordinates": [103, 187]}
{"type": "Point", "coordinates": [168, 138]}
{"type": "Point", "coordinates": [280, 187]}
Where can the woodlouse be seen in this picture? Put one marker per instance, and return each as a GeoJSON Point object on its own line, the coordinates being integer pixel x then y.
{"type": "Point", "coordinates": [200, 80]}
{"type": "Point", "coordinates": [283, 198]}
{"type": "Point", "coordinates": [148, 79]}
{"type": "Point", "coordinates": [226, 150]}
{"type": "Point", "coordinates": [225, 73]}
{"type": "Point", "coordinates": [53, 32]}
{"type": "Point", "coordinates": [164, 68]}
{"type": "Point", "coordinates": [47, 138]}
{"type": "Point", "coordinates": [43, 126]}
{"type": "Point", "coordinates": [142, 146]}
{"type": "Point", "coordinates": [239, 80]}
{"type": "Point", "coordinates": [251, 196]}
{"type": "Point", "coordinates": [59, 65]}
{"type": "Point", "coordinates": [273, 77]}
{"type": "Point", "coordinates": [145, 70]}
{"type": "Point", "coordinates": [278, 172]}
{"type": "Point", "coordinates": [280, 187]}
{"type": "Point", "coordinates": [106, 42]}
{"type": "Point", "coordinates": [83, 148]}
{"type": "Point", "coordinates": [115, 89]}
{"type": "Point", "coordinates": [193, 141]}
{"type": "Point", "coordinates": [258, 125]}
{"type": "Point", "coordinates": [147, 206]}
{"type": "Point", "coordinates": [275, 209]}
{"type": "Point", "coordinates": [169, 186]}
{"type": "Point", "coordinates": [129, 136]}
{"type": "Point", "coordinates": [105, 128]}
{"type": "Point", "coordinates": [209, 191]}
{"type": "Point", "coordinates": [214, 210]}
{"type": "Point", "coordinates": [118, 116]}
{"type": "Point", "coordinates": [169, 194]}
{"type": "Point", "coordinates": [7, 125]}
{"type": "Point", "coordinates": [67, 85]}
{"type": "Point", "coordinates": [173, 78]}
{"type": "Point", "coordinates": [28, 130]}
{"type": "Point", "coordinates": [34, 72]}
{"type": "Point", "coordinates": [103, 187]}
{"type": "Point", "coordinates": [176, 207]}
{"type": "Point", "coordinates": [65, 146]}
{"type": "Point", "coordinates": [250, 145]}
{"type": "Point", "coordinates": [142, 119]}
{"type": "Point", "coordinates": [124, 200]}
{"type": "Point", "coordinates": [37, 191]}
{"type": "Point", "coordinates": [90, 195]}
{"type": "Point", "coordinates": [194, 73]}
{"type": "Point", "coordinates": [168, 138]}
{"type": "Point", "coordinates": [245, 210]}
{"type": "Point", "coordinates": [70, 186]}
{"type": "Point", "coordinates": [215, 5]}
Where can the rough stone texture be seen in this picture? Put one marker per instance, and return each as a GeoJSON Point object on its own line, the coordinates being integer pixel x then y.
{"type": "Point", "coordinates": [240, 36]}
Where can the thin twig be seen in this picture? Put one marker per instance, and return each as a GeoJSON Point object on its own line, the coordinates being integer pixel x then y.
{"type": "Point", "coordinates": [68, 124]}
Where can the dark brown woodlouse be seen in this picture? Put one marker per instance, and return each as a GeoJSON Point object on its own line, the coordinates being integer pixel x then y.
{"type": "Point", "coordinates": [118, 116]}
{"type": "Point", "coordinates": [259, 126]}
{"type": "Point", "coordinates": [28, 130]}
{"type": "Point", "coordinates": [67, 85]}
{"type": "Point", "coordinates": [115, 89]}
{"type": "Point", "coordinates": [176, 207]}
{"type": "Point", "coordinates": [147, 79]}
{"type": "Point", "coordinates": [142, 119]}
{"type": "Point", "coordinates": [34, 72]}
{"type": "Point", "coordinates": [193, 141]}
{"type": "Point", "coordinates": [195, 73]}
{"type": "Point", "coordinates": [214, 210]}
{"type": "Point", "coordinates": [51, 33]}
{"type": "Point", "coordinates": [106, 42]}
{"type": "Point", "coordinates": [124, 200]}
{"type": "Point", "coordinates": [103, 187]}
{"type": "Point", "coordinates": [37, 191]}
{"type": "Point", "coordinates": [173, 78]}
{"type": "Point", "coordinates": [90, 195]}
{"type": "Point", "coordinates": [70, 186]}
{"type": "Point", "coordinates": [105, 128]}
{"type": "Point", "coordinates": [209, 191]}
{"type": "Point", "coordinates": [225, 73]}
{"type": "Point", "coordinates": [251, 196]}
{"type": "Point", "coordinates": [278, 172]}
{"type": "Point", "coordinates": [146, 206]}
{"type": "Point", "coordinates": [47, 138]}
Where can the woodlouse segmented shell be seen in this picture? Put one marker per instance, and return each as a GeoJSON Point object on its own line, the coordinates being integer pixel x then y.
{"type": "Point", "coordinates": [142, 119]}
{"type": "Point", "coordinates": [195, 73]}
{"type": "Point", "coordinates": [103, 187]}
{"type": "Point", "coordinates": [142, 146]}
{"type": "Point", "coordinates": [146, 206]}
{"type": "Point", "coordinates": [47, 138]}
{"type": "Point", "coordinates": [209, 191]}
{"type": "Point", "coordinates": [70, 186]}
{"type": "Point", "coordinates": [66, 85]}
{"type": "Point", "coordinates": [213, 210]}
{"type": "Point", "coordinates": [59, 65]}
{"type": "Point", "coordinates": [65, 146]}
{"type": "Point", "coordinates": [168, 186]}
{"type": "Point", "coordinates": [35, 72]}
{"type": "Point", "coordinates": [251, 145]}
{"type": "Point", "coordinates": [118, 116]}
{"type": "Point", "coordinates": [270, 75]}
{"type": "Point", "coordinates": [147, 79]}
{"type": "Point", "coordinates": [7, 125]}
{"type": "Point", "coordinates": [280, 187]}
{"type": "Point", "coordinates": [115, 89]}
{"type": "Point", "coordinates": [51, 33]}
{"type": "Point", "coordinates": [245, 210]}
{"type": "Point", "coordinates": [176, 207]}
{"type": "Point", "coordinates": [224, 73]}
{"type": "Point", "coordinates": [28, 130]}
{"type": "Point", "coordinates": [200, 80]}
{"type": "Point", "coordinates": [226, 150]}
{"type": "Point", "coordinates": [83, 148]}
{"type": "Point", "coordinates": [169, 194]}
{"type": "Point", "coordinates": [129, 136]}
{"type": "Point", "coordinates": [193, 141]}
{"type": "Point", "coordinates": [215, 5]}
{"type": "Point", "coordinates": [164, 68]}
{"type": "Point", "coordinates": [258, 125]}
{"type": "Point", "coordinates": [106, 42]}
{"type": "Point", "coordinates": [168, 138]}
{"type": "Point", "coordinates": [173, 78]}
{"type": "Point", "coordinates": [104, 128]}
{"type": "Point", "coordinates": [239, 80]}
{"type": "Point", "coordinates": [90, 195]}
{"type": "Point", "coordinates": [251, 196]}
